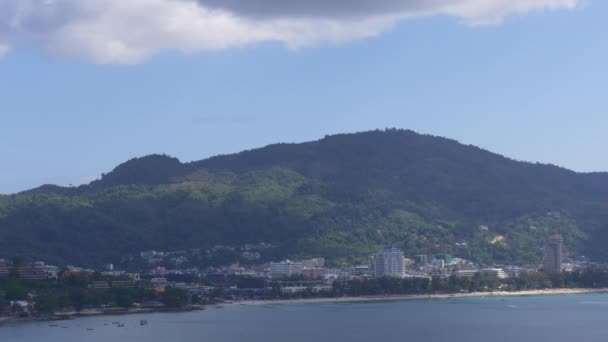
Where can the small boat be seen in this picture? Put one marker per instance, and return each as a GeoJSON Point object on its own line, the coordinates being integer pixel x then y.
{"type": "Point", "coordinates": [53, 325]}
{"type": "Point", "coordinates": [143, 322]}
{"type": "Point", "coordinates": [89, 329]}
{"type": "Point", "coordinates": [121, 325]}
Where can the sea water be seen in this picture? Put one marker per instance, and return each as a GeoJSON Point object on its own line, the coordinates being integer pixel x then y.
{"type": "Point", "coordinates": [567, 318]}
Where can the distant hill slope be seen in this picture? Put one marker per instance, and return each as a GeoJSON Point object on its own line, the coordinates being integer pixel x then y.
{"type": "Point", "coordinates": [341, 197]}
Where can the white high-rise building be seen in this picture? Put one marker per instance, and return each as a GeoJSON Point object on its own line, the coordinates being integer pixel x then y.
{"type": "Point", "coordinates": [390, 262]}
{"type": "Point", "coordinates": [285, 269]}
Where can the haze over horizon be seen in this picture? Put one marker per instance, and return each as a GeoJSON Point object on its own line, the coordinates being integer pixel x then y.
{"type": "Point", "coordinates": [524, 79]}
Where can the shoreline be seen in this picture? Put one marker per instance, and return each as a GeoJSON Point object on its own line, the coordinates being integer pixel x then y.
{"type": "Point", "coordinates": [66, 316]}
{"type": "Point", "coordinates": [383, 298]}
{"type": "Point", "coordinates": [362, 299]}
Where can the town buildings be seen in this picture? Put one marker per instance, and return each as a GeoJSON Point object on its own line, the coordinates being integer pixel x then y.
{"type": "Point", "coordinates": [499, 273]}
{"type": "Point", "coordinates": [34, 271]}
{"type": "Point", "coordinates": [158, 284]}
{"type": "Point", "coordinates": [285, 269]}
{"type": "Point", "coordinates": [314, 263]}
{"type": "Point", "coordinates": [313, 268]}
{"type": "Point", "coordinates": [390, 262]}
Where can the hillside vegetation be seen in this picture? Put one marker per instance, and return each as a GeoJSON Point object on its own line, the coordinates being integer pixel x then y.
{"type": "Point", "coordinates": [340, 197]}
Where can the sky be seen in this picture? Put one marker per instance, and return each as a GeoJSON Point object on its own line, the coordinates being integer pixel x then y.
{"type": "Point", "coordinates": [88, 84]}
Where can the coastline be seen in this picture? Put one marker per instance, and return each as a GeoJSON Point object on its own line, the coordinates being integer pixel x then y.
{"type": "Point", "coordinates": [115, 312]}
{"type": "Point", "coordinates": [382, 298]}
{"type": "Point", "coordinates": [362, 299]}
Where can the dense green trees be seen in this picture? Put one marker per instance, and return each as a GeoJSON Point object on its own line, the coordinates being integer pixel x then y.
{"type": "Point", "coordinates": [75, 293]}
{"type": "Point", "coordinates": [46, 302]}
{"type": "Point", "coordinates": [14, 290]}
{"type": "Point", "coordinates": [591, 278]}
{"type": "Point", "coordinates": [395, 286]}
{"type": "Point", "coordinates": [174, 298]}
{"type": "Point", "coordinates": [340, 197]}
{"type": "Point", "coordinates": [123, 298]}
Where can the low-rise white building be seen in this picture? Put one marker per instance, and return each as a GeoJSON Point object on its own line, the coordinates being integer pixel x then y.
{"type": "Point", "coordinates": [498, 272]}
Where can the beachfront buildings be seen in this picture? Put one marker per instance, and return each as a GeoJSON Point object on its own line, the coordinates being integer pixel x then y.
{"type": "Point", "coordinates": [499, 273]}
{"type": "Point", "coordinates": [390, 262]}
{"type": "Point", "coordinates": [285, 269]}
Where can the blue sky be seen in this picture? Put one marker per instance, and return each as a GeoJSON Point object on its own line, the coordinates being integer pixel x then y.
{"type": "Point", "coordinates": [530, 85]}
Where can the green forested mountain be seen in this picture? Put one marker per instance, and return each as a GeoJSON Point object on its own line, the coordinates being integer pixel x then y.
{"type": "Point", "coordinates": [340, 197]}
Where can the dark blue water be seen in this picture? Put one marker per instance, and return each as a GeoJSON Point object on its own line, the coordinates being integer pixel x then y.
{"type": "Point", "coordinates": [580, 318]}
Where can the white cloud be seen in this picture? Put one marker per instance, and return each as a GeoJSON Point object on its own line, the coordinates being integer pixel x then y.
{"type": "Point", "coordinates": [129, 31]}
{"type": "Point", "coordinates": [480, 12]}
{"type": "Point", "coordinates": [3, 49]}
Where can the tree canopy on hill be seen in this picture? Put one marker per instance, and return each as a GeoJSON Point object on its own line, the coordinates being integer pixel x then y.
{"type": "Point", "coordinates": [340, 197]}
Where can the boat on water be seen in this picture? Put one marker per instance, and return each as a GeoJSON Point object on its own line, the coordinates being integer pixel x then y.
{"type": "Point", "coordinates": [121, 325]}
{"type": "Point", "coordinates": [143, 322]}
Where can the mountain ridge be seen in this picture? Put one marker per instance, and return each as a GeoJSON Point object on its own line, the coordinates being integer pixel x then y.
{"type": "Point", "coordinates": [213, 162]}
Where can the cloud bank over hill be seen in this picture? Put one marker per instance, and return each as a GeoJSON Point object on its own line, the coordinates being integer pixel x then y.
{"type": "Point", "coordinates": [129, 31]}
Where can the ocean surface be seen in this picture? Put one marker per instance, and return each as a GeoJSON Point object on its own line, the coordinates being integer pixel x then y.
{"type": "Point", "coordinates": [580, 318]}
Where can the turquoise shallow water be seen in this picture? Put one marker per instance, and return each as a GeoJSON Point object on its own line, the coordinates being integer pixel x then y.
{"type": "Point", "coordinates": [581, 318]}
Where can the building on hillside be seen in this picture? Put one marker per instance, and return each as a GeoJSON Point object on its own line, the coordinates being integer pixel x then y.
{"type": "Point", "coordinates": [390, 262]}
{"type": "Point", "coordinates": [314, 263]}
{"type": "Point", "coordinates": [553, 258]}
{"type": "Point", "coordinates": [35, 271]}
{"type": "Point", "coordinates": [4, 268]}
{"type": "Point", "coordinates": [424, 259]}
{"type": "Point", "coordinates": [447, 259]}
{"type": "Point", "coordinates": [285, 269]}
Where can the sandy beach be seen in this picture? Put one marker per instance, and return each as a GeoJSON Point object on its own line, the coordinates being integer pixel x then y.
{"type": "Point", "coordinates": [418, 297]}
